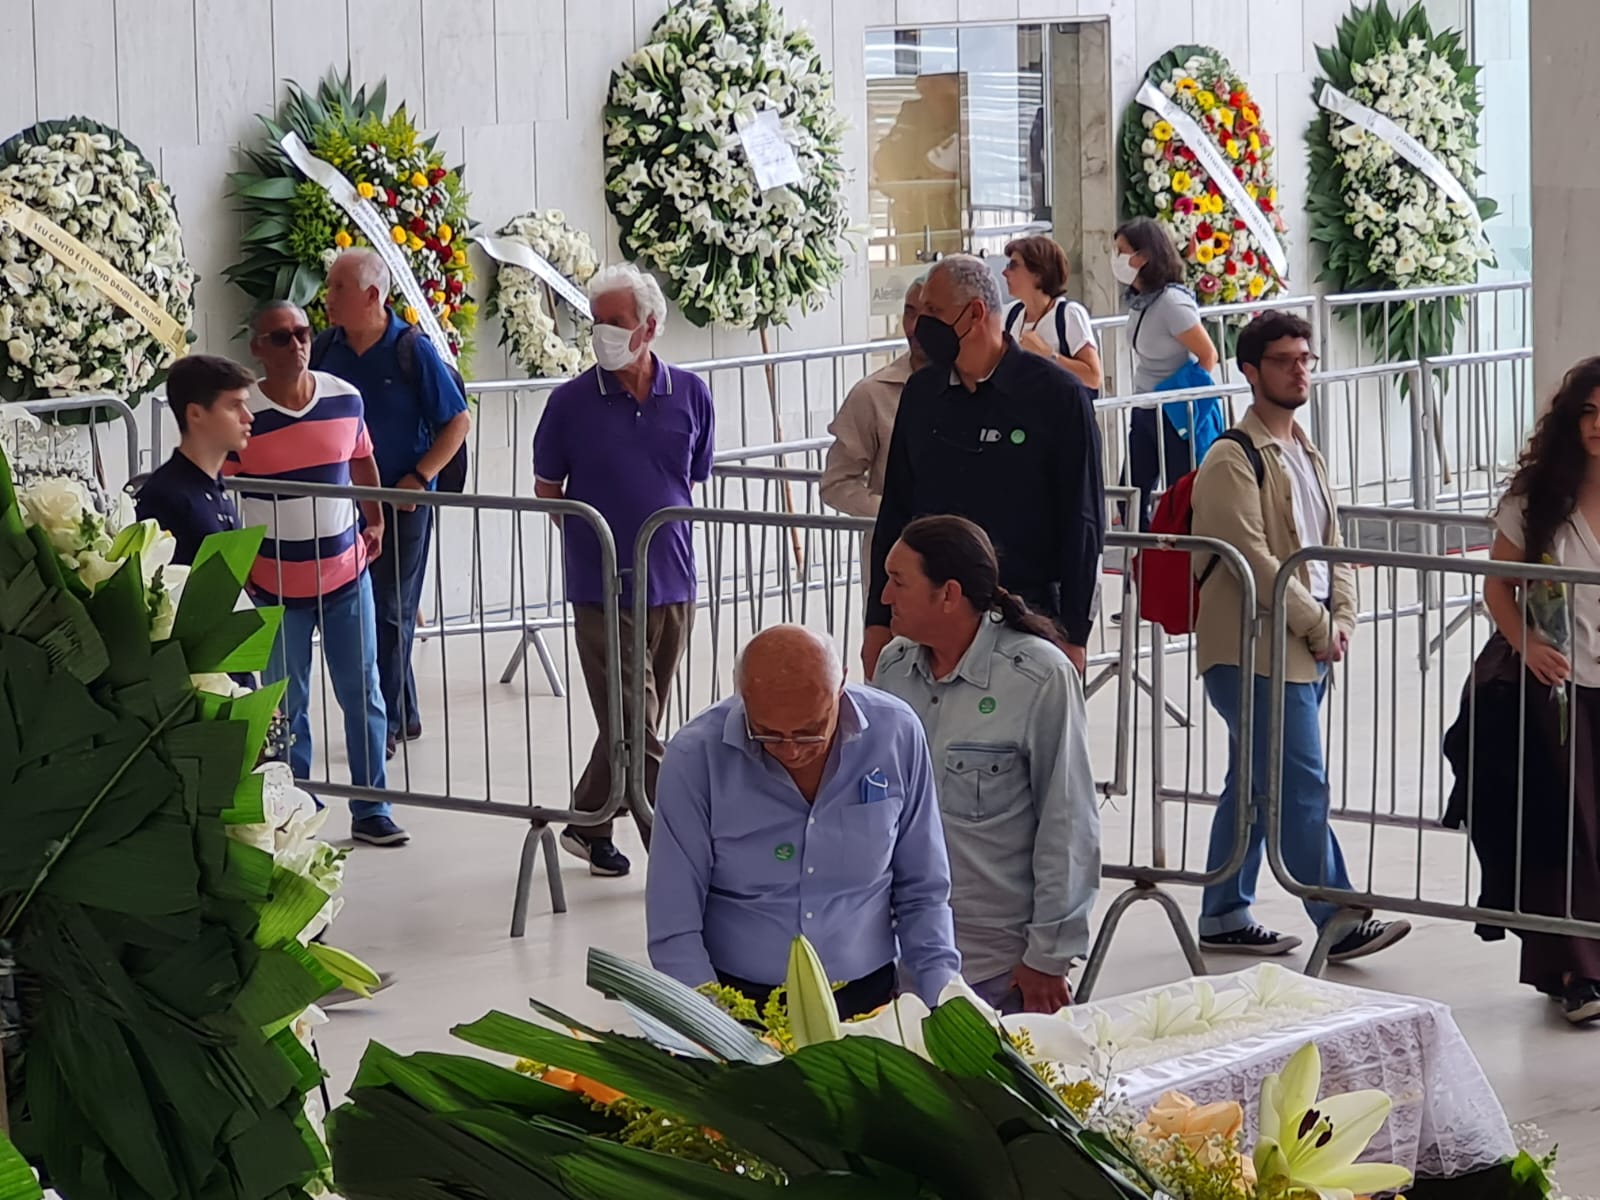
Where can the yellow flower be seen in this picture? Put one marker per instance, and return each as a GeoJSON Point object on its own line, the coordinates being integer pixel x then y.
{"type": "Point", "coordinates": [458, 259]}
{"type": "Point", "coordinates": [440, 297]}
{"type": "Point", "coordinates": [410, 314]}
{"type": "Point", "coordinates": [445, 234]}
{"type": "Point", "coordinates": [1187, 85]}
{"type": "Point", "coordinates": [444, 313]}
{"type": "Point", "coordinates": [1225, 117]}
{"type": "Point", "coordinates": [1255, 142]}
{"type": "Point", "coordinates": [1204, 254]}
{"type": "Point", "coordinates": [366, 189]}
{"type": "Point", "coordinates": [1181, 182]}
{"type": "Point", "coordinates": [414, 242]}
{"type": "Point", "coordinates": [1205, 100]}
{"type": "Point", "coordinates": [1222, 241]}
{"type": "Point", "coordinates": [1161, 131]}
{"type": "Point", "coordinates": [419, 180]}
{"type": "Point", "coordinates": [1258, 284]}
{"type": "Point", "coordinates": [1272, 195]}
{"type": "Point", "coordinates": [342, 240]}
{"type": "Point", "coordinates": [1251, 114]}
{"type": "Point", "coordinates": [1251, 190]}
{"type": "Point", "coordinates": [1217, 205]}
{"type": "Point", "coordinates": [399, 235]}
{"type": "Point", "coordinates": [1232, 147]}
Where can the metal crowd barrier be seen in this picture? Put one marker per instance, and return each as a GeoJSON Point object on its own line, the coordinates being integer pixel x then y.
{"type": "Point", "coordinates": [52, 406]}
{"type": "Point", "coordinates": [1418, 868]}
{"type": "Point", "coordinates": [482, 753]}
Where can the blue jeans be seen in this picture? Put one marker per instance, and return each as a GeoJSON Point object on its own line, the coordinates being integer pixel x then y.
{"type": "Point", "coordinates": [397, 587]}
{"type": "Point", "coordinates": [349, 654]}
{"type": "Point", "coordinates": [1310, 850]}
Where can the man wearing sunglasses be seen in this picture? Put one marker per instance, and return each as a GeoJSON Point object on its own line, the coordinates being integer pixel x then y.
{"type": "Point", "coordinates": [310, 427]}
{"type": "Point", "coordinates": [801, 805]}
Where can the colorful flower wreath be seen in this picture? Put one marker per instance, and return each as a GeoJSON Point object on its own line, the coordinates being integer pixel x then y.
{"type": "Point", "coordinates": [297, 230]}
{"type": "Point", "coordinates": [1165, 179]}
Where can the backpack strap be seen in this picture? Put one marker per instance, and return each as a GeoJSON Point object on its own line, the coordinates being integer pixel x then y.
{"type": "Point", "coordinates": [319, 347]}
{"type": "Point", "coordinates": [1061, 328]}
{"type": "Point", "coordinates": [1257, 463]}
{"type": "Point", "coordinates": [1013, 314]}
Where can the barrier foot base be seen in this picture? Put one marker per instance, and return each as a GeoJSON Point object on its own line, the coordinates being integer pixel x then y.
{"type": "Point", "coordinates": [539, 836]}
{"type": "Point", "coordinates": [519, 661]}
{"type": "Point", "coordinates": [1113, 918]}
{"type": "Point", "coordinates": [1178, 715]}
{"type": "Point", "coordinates": [1341, 923]}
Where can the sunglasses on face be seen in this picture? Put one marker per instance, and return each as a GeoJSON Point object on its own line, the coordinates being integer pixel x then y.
{"type": "Point", "coordinates": [282, 337]}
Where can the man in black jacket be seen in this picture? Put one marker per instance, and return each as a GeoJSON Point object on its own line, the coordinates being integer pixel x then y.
{"type": "Point", "coordinates": [1004, 438]}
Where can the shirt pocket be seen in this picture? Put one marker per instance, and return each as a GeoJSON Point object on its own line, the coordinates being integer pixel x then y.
{"type": "Point", "coordinates": [982, 780]}
{"type": "Point", "coordinates": [867, 844]}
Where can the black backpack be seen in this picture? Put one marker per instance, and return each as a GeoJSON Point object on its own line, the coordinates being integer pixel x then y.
{"type": "Point", "coordinates": [1014, 315]}
{"type": "Point", "coordinates": [453, 476]}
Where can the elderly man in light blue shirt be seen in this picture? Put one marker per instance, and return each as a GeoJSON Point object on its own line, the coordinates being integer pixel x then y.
{"type": "Point", "coordinates": [800, 806]}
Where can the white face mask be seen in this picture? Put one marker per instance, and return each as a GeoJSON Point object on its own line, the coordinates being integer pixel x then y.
{"type": "Point", "coordinates": [1123, 270]}
{"type": "Point", "coordinates": [613, 347]}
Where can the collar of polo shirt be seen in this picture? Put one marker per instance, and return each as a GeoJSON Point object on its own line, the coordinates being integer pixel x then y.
{"type": "Point", "coordinates": [974, 664]}
{"type": "Point", "coordinates": [660, 384]}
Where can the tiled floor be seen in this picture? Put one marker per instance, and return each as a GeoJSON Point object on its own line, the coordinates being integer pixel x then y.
{"type": "Point", "coordinates": [438, 911]}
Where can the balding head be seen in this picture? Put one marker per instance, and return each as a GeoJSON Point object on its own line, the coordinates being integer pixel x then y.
{"type": "Point", "coordinates": [789, 678]}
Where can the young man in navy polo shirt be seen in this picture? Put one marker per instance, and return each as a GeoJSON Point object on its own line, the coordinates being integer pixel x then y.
{"type": "Point", "coordinates": [210, 399]}
{"type": "Point", "coordinates": [628, 436]}
{"type": "Point", "coordinates": [417, 419]}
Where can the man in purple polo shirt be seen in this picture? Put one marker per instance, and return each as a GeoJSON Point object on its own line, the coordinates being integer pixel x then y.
{"type": "Point", "coordinates": [628, 436]}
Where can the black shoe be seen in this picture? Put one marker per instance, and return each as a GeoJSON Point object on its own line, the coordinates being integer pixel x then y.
{"type": "Point", "coordinates": [1581, 1002]}
{"type": "Point", "coordinates": [378, 831]}
{"type": "Point", "coordinates": [389, 747]}
{"type": "Point", "coordinates": [413, 731]}
{"type": "Point", "coordinates": [601, 854]}
{"type": "Point", "coordinates": [1256, 940]}
{"type": "Point", "coordinates": [1368, 938]}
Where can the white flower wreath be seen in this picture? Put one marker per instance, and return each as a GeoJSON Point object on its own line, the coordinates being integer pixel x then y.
{"type": "Point", "coordinates": [524, 303]}
{"type": "Point", "coordinates": [60, 334]}
{"type": "Point", "coordinates": [679, 183]}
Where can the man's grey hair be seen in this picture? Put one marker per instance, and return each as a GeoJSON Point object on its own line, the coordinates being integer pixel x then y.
{"type": "Point", "coordinates": [271, 306]}
{"type": "Point", "coordinates": [370, 269]}
{"type": "Point", "coordinates": [648, 300]}
{"type": "Point", "coordinates": [914, 288]}
{"type": "Point", "coordinates": [971, 279]}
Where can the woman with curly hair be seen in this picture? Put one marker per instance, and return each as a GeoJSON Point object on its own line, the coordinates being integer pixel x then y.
{"type": "Point", "coordinates": [1543, 816]}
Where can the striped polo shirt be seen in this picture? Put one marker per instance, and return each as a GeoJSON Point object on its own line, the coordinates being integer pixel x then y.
{"type": "Point", "coordinates": [313, 547]}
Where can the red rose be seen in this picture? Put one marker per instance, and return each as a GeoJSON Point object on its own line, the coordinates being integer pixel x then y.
{"type": "Point", "coordinates": [444, 253]}
{"type": "Point", "coordinates": [1230, 267]}
{"type": "Point", "coordinates": [418, 226]}
{"type": "Point", "coordinates": [1211, 186]}
{"type": "Point", "coordinates": [1249, 256]}
{"type": "Point", "coordinates": [390, 198]}
{"type": "Point", "coordinates": [1238, 173]}
{"type": "Point", "coordinates": [437, 174]}
{"type": "Point", "coordinates": [1266, 205]}
{"type": "Point", "coordinates": [454, 287]}
{"type": "Point", "coordinates": [1204, 232]}
{"type": "Point", "coordinates": [1185, 153]}
{"type": "Point", "coordinates": [1183, 204]}
{"type": "Point", "coordinates": [1238, 99]}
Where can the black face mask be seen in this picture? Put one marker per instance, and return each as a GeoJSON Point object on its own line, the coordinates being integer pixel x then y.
{"type": "Point", "coordinates": [939, 340]}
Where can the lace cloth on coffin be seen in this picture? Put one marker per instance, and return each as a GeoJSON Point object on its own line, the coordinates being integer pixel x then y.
{"type": "Point", "coordinates": [1446, 1119]}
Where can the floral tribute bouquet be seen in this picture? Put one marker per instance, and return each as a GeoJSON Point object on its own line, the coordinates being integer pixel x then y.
{"type": "Point", "coordinates": [721, 1100]}
{"type": "Point", "coordinates": [155, 903]}
{"type": "Point", "coordinates": [1381, 222]}
{"type": "Point", "coordinates": [295, 230]}
{"type": "Point", "coordinates": [680, 184]}
{"type": "Point", "coordinates": [60, 334]}
{"type": "Point", "coordinates": [1165, 179]}
{"type": "Point", "coordinates": [527, 307]}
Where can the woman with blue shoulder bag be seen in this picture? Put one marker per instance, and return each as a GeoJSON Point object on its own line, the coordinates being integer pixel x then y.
{"type": "Point", "coordinates": [1171, 351]}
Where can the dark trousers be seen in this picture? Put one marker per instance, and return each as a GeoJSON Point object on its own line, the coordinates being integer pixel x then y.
{"type": "Point", "coordinates": [666, 636]}
{"type": "Point", "coordinates": [397, 590]}
{"type": "Point", "coordinates": [1150, 435]}
{"type": "Point", "coordinates": [855, 999]}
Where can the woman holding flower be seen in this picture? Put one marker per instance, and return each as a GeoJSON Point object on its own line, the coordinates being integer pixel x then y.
{"type": "Point", "coordinates": [1534, 802]}
{"type": "Point", "coordinates": [1171, 350]}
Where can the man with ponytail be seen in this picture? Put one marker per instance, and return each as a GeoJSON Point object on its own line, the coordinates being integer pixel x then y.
{"type": "Point", "coordinates": [1004, 713]}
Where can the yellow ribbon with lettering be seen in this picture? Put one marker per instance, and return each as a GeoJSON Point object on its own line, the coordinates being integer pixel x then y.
{"type": "Point", "coordinates": [108, 281]}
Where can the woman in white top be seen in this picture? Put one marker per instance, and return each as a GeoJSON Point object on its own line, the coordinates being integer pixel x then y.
{"type": "Point", "coordinates": [1046, 322]}
{"type": "Point", "coordinates": [1552, 508]}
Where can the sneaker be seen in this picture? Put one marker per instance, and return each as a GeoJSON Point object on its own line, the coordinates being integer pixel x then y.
{"type": "Point", "coordinates": [378, 831]}
{"type": "Point", "coordinates": [1581, 1003]}
{"type": "Point", "coordinates": [1368, 938]}
{"type": "Point", "coordinates": [601, 854]}
{"type": "Point", "coordinates": [1252, 939]}
{"type": "Point", "coordinates": [345, 996]}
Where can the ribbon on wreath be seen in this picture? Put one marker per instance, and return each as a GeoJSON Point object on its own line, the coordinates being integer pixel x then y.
{"type": "Point", "coordinates": [516, 253]}
{"type": "Point", "coordinates": [107, 280]}
{"type": "Point", "coordinates": [1406, 146]}
{"type": "Point", "coordinates": [1211, 158]}
{"type": "Point", "coordinates": [367, 218]}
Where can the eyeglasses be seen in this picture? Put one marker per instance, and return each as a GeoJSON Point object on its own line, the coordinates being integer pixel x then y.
{"type": "Point", "coordinates": [1308, 361]}
{"type": "Point", "coordinates": [773, 739]}
{"type": "Point", "coordinates": [282, 337]}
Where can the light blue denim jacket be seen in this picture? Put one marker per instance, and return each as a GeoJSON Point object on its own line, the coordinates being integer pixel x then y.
{"type": "Point", "coordinates": [1009, 739]}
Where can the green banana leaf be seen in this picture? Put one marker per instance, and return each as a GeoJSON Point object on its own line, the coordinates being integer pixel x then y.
{"type": "Point", "coordinates": [16, 1176]}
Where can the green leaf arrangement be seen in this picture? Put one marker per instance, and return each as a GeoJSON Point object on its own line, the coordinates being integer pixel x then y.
{"type": "Point", "coordinates": [854, 1119]}
{"type": "Point", "coordinates": [156, 960]}
{"type": "Point", "coordinates": [293, 231]}
{"type": "Point", "coordinates": [1380, 223]}
{"type": "Point", "coordinates": [677, 180]}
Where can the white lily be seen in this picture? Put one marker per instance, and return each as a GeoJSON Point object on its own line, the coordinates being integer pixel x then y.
{"type": "Point", "coordinates": [1165, 1015]}
{"type": "Point", "coordinates": [813, 1013]}
{"type": "Point", "coordinates": [1270, 986]}
{"type": "Point", "coordinates": [1307, 1145]}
